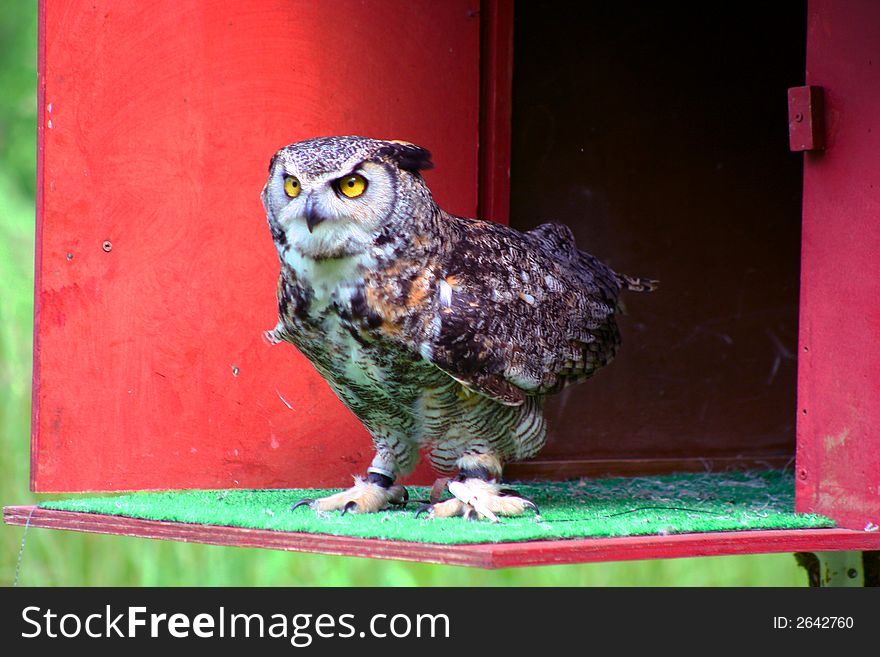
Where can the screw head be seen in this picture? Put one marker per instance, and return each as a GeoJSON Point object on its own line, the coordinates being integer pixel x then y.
{"type": "Point", "coordinates": [852, 573]}
{"type": "Point", "coordinates": [799, 117]}
{"type": "Point", "coordinates": [107, 246]}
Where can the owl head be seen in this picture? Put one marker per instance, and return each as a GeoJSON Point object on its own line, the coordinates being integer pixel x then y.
{"type": "Point", "coordinates": [331, 196]}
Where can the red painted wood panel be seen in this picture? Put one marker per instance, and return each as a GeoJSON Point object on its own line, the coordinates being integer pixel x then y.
{"type": "Point", "coordinates": [838, 453]}
{"type": "Point", "coordinates": [486, 555]}
{"type": "Point", "coordinates": [156, 125]}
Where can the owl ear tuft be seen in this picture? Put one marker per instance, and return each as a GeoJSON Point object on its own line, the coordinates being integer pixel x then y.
{"type": "Point", "coordinates": [407, 156]}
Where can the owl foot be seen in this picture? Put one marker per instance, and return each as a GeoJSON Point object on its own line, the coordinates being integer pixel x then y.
{"type": "Point", "coordinates": [478, 499]}
{"type": "Point", "coordinates": [363, 497]}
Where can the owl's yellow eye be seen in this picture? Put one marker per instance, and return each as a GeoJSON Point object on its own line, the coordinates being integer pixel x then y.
{"type": "Point", "coordinates": [291, 186]}
{"type": "Point", "coordinates": [352, 186]}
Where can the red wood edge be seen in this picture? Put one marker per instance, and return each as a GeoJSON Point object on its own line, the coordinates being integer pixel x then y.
{"type": "Point", "coordinates": [496, 107]}
{"type": "Point", "coordinates": [38, 237]}
{"type": "Point", "coordinates": [485, 555]}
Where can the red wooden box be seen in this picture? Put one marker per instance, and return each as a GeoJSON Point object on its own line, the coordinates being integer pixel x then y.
{"type": "Point", "coordinates": [658, 134]}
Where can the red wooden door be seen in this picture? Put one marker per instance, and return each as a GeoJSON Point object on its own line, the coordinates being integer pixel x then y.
{"type": "Point", "coordinates": [838, 454]}
{"type": "Point", "coordinates": [155, 269]}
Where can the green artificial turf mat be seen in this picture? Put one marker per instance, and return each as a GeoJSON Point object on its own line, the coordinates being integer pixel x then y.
{"type": "Point", "coordinates": [671, 504]}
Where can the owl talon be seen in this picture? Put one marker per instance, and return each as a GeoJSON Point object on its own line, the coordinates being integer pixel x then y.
{"type": "Point", "coordinates": [399, 496]}
{"type": "Point", "coordinates": [304, 502]}
{"type": "Point", "coordinates": [453, 508]}
{"type": "Point", "coordinates": [527, 503]}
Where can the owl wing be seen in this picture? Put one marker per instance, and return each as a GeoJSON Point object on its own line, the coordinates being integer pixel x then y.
{"type": "Point", "coordinates": [520, 313]}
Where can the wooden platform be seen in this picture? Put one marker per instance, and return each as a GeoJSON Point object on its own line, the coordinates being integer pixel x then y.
{"type": "Point", "coordinates": [492, 555]}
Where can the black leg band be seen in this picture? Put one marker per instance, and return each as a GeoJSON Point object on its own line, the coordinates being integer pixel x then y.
{"type": "Point", "coordinates": [477, 472]}
{"type": "Point", "coordinates": [380, 479]}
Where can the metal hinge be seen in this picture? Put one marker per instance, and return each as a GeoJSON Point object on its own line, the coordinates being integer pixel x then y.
{"type": "Point", "coordinates": [806, 119]}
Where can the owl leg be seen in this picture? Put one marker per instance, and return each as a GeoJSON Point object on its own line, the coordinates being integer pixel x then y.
{"type": "Point", "coordinates": [477, 493]}
{"type": "Point", "coordinates": [369, 495]}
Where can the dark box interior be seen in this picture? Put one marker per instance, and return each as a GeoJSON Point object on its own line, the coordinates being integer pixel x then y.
{"type": "Point", "coordinates": [658, 133]}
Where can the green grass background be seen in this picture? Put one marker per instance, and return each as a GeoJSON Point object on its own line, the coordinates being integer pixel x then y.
{"type": "Point", "coordinates": [53, 558]}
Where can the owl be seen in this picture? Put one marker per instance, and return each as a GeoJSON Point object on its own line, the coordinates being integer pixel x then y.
{"type": "Point", "coordinates": [442, 334]}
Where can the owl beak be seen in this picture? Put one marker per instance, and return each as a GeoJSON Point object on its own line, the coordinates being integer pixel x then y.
{"type": "Point", "coordinates": [313, 217]}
